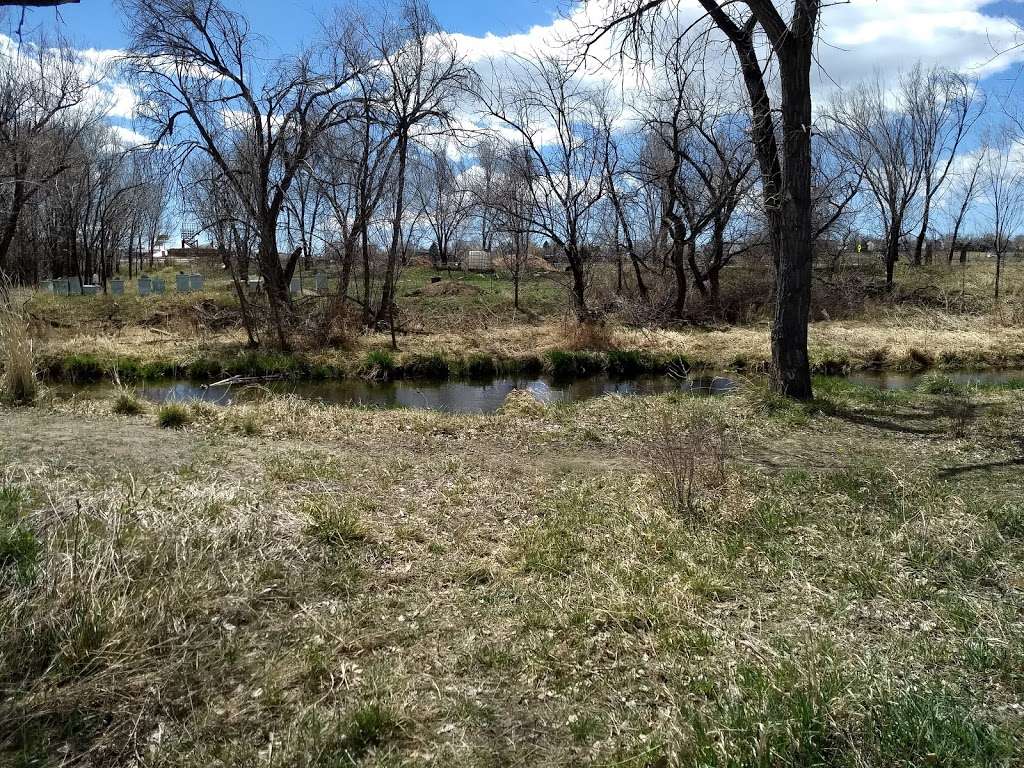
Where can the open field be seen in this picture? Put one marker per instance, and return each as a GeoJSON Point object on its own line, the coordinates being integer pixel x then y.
{"type": "Point", "coordinates": [281, 583]}
{"type": "Point", "coordinates": [941, 317]}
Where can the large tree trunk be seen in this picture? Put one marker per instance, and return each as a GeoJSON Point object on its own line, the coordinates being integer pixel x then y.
{"type": "Point", "coordinates": [275, 285]}
{"type": "Point", "coordinates": [792, 234]}
{"type": "Point", "coordinates": [11, 225]}
{"type": "Point", "coordinates": [579, 284]}
{"type": "Point", "coordinates": [786, 178]}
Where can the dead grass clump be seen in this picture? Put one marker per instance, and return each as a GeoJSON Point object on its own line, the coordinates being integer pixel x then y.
{"type": "Point", "coordinates": [520, 402]}
{"type": "Point", "coordinates": [593, 335]}
{"type": "Point", "coordinates": [686, 453]}
{"type": "Point", "coordinates": [18, 384]}
{"type": "Point", "coordinates": [127, 403]}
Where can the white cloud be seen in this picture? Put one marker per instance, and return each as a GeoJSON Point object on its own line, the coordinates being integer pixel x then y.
{"type": "Point", "coordinates": [858, 38]}
{"type": "Point", "coordinates": [128, 136]}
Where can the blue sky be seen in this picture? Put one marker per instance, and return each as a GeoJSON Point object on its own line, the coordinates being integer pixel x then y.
{"type": "Point", "coordinates": [98, 24]}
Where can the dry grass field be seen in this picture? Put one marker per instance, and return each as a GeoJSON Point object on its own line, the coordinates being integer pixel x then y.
{"type": "Point", "coordinates": [282, 583]}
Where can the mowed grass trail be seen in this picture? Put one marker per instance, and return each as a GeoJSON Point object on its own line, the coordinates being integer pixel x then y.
{"type": "Point", "coordinates": [289, 584]}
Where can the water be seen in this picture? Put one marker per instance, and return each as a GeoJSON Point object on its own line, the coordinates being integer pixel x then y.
{"type": "Point", "coordinates": [452, 396]}
{"type": "Point", "coordinates": [487, 397]}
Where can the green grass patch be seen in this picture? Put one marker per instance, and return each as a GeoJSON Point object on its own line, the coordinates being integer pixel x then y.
{"type": "Point", "coordinates": [173, 416]}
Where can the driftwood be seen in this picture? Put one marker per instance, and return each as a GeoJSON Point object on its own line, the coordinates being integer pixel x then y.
{"type": "Point", "coordinates": [232, 380]}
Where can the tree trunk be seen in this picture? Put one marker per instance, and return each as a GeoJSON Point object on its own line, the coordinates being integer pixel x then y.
{"type": "Point", "coordinates": [698, 276]}
{"type": "Point", "coordinates": [387, 297]}
{"type": "Point", "coordinates": [579, 284]}
{"type": "Point", "coordinates": [892, 255]}
{"type": "Point", "coordinates": [11, 225]}
{"type": "Point", "coordinates": [792, 235]}
{"type": "Point", "coordinates": [679, 262]}
{"type": "Point", "coordinates": [919, 245]}
{"type": "Point", "coordinates": [999, 271]}
{"type": "Point", "coordinates": [274, 285]}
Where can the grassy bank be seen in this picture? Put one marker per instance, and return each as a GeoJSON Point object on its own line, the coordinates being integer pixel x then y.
{"type": "Point", "coordinates": [835, 349]}
{"type": "Point", "coordinates": [286, 583]}
{"type": "Point", "coordinates": [467, 327]}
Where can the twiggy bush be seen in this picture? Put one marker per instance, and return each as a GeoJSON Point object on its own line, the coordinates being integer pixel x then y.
{"type": "Point", "coordinates": [686, 453]}
{"type": "Point", "coordinates": [961, 413]}
{"type": "Point", "coordinates": [18, 384]}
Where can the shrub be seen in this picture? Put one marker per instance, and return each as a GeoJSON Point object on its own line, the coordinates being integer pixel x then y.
{"type": "Point", "coordinates": [480, 366]}
{"type": "Point", "coordinates": [127, 403]}
{"type": "Point", "coordinates": [18, 384]}
{"type": "Point", "coordinates": [939, 384]}
{"type": "Point", "coordinates": [960, 412]}
{"type": "Point", "coordinates": [82, 369]}
{"type": "Point", "coordinates": [173, 416]}
{"type": "Point", "coordinates": [433, 366]}
{"type": "Point", "coordinates": [378, 364]}
{"type": "Point", "coordinates": [686, 453]}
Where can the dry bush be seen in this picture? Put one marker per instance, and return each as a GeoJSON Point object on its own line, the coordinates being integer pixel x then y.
{"type": "Point", "coordinates": [686, 453]}
{"type": "Point", "coordinates": [961, 412]}
{"type": "Point", "coordinates": [590, 335]}
{"type": "Point", "coordinates": [18, 383]}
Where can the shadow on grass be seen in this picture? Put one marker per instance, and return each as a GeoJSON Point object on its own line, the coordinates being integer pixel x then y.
{"type": "Point", "coordinates": [963, 469]}
{"type": "Point", "coordinates": [887, 420]}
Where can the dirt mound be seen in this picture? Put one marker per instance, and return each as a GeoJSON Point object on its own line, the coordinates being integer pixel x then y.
{"type": "Point", "coordinates": [446, 288]}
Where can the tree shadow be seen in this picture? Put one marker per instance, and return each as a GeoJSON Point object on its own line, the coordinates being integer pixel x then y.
{"type": "Point", "coordinates": [947, 472]}
{"type": "Point", "coordinates": [885, 420]}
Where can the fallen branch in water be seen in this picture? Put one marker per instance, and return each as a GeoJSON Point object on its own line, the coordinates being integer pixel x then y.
{"type": "Point", "coordinates": [232, 380]}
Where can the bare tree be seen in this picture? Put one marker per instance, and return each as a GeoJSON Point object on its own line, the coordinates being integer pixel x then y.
{"type": "Point", "coordinates": [555, 119]}
{"type": "Point", "coordinates": [43, 114]}
{"type": "Point", "coordinates": [425, 74]}
{"type": "Point", "coordinates": [961, 197]}
{"type": "Point", "coordinates": [880, 139]}
{"type": "Point", "coordinates": [1002, 183]}
{"type": "Point", "coordinates": [782, 146]}
{"type": "Point", "coordinates": [943, 107]}
{"type": "Point", "coordinates": [194, 64]}
{"type": "Point", "coordinates": [444, 196]}
{"type": "Point", "coordinates": [513, 186]}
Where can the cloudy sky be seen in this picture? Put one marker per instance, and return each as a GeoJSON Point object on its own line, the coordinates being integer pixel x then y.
{"type": "Point", "coordinates": [859, 37]}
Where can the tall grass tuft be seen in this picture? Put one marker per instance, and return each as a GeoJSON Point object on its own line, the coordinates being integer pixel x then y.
{"type": "Point", "coordinates": [173, 416]}
{"type": "Point", "coordinates": [127, 403]}
{"type": "Point", "coordinates": [18, 384]}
